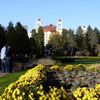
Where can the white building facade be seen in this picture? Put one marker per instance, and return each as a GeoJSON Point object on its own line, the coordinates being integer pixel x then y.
{"type": "Point", "coordinates": [49, 29]}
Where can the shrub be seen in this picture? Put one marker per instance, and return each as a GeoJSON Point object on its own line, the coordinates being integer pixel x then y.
{"type": "Point", "coordinates": [53, 94]}
{"type": "Point", "coordinates": [55, 67]}
{"type": "Point", "coordinates": [80, 67]}
{"type": "Point", "coordinates": [94, 68]}
{"type": "Point", "coordinates": [69, 68]}
{"type": "Point", "coordinates": [78, 53]}
{"type": "Point", "coordinates": [87, 93]}
{"type": "Point", "coordinates": [25, 87]}
{"type": "Point", "coordinates": [98, 54]}
{"type": "Point", "coordinates": [87, 53]}
{"type": "Point", "coordinates": [97, 88]}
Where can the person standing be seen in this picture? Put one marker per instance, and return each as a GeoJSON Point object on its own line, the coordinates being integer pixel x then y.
{"type": "Point", "coordinates": [3, 59]}
{"type": "Point", "coordinates": [9, 59]}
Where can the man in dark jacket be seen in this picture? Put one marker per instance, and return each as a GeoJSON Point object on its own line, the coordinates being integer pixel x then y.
{"type": "Point", "coordinates": [9, 59]}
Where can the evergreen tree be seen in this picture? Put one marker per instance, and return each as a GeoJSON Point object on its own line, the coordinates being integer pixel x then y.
{"type": "Point", "coordinates": [97, 31]}
{"type": "Point", "coordinates": [11, 36]}
{"type": "Point", "coordinates": [22, 46]}
{"type": "Point", "coordinates": [93, 40]}
{"type": "Point", "coordinates": [71, 43]}
{"type": "Point", "coordinates": [65, 34]}
{"type": "Point", "coordinates": [55, 40]}
{"type": "Point", "coordinates": [2, 36]}
{"type": "Point", "coordinates": [39, 39]}
{"type": "Point", "coordinates": [33, 46]}
{"type": "Point", "coordinates": [79, 37]}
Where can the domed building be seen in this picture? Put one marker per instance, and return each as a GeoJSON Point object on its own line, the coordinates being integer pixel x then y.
{"type": "Point", "coordinates": [48, 29]}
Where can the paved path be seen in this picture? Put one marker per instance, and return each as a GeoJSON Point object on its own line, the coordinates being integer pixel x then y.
{"type": "Point", "coordinates": [45, 61]}
{"type": "Point", "coordinates": [2, 74]}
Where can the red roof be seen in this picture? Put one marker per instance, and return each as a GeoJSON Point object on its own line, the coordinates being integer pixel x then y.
{"type": "Point", "coordinates": [50, 28]}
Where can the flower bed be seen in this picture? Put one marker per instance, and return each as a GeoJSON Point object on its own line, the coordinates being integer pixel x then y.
{"type": "Point", "coordinates": [25, 87]}
{"type": "Point", "coordinates": [52, 83]}
{"type": "Point", "coordinates": [87, 93]}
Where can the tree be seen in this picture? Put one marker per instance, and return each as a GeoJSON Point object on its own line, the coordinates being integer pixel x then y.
{"type": "Point", "coordinates": [2, 36]}
{"type": "Point", "coordinates": [79, 37]}
{"type": "Point", "coordinates": [71, 42]}
{"type": "Point", "coordinates": [65, 34]}
{"type": "Point", "coordinates": [65, 43]}
{"type": "Point", "coordinates": [39, 39]}
{"type": "Point", "coordinates": [33, 46]}
{"type": "Point", "coordinates": [11, 36]}
{"type": "Point", "coordinates": [55, 40]}
{"type": "Point", "coordinates": [97, 32]}
{"type": "Point", "coordinates": [93, 40]}
{"type": "Point", "coordinates": [22, 45]}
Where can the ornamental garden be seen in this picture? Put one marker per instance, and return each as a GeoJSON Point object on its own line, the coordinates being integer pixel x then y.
{"type": "Point", "coordinates": [69, 78]}
{"type": "Point", "coordinates": [71, 82]}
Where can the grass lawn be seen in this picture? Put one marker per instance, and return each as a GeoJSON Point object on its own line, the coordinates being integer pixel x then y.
{"type": "Point", "coordinates": [88, 61]}
{"type": "Point", "coordinates": [9, 78]}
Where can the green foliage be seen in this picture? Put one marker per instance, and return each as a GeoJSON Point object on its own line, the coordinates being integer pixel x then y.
{"type": "Point", "coordinates": [2, 36]}
{"type": "Point", "coordinates": [8, 79]}
{"type": "Point", "coordinates": [69, 68]}
{"type": "Point", "coordinates": [79, 37]}
{"type": "Point", "coordinates": [55, 67]}
{"type": "Point", "coordinates": [39, 40]}
{"type": "Point", "coordinates": [11, 36]}
{"type": "Point", "coordinates": [71, 43]}
{"type": "Point", "coordinates": [92, 40]}
{"type": "Point", "coordinates": [88, 43]}
{"type": "Point", "coordinates": [80, 67]}
{"type": "Point", "coordinates": [55, 40]}
{"type": "Point", "coordinates": [98, 54]}
{"type": "Point", "coordinates": [65, 34]}
{"type": "Point", "coordinates": [22, 45]}
{"type": "Point", "coordinates": [17, 38]}
{"type": "Point", "coordinates": [92, 68]}
{"type": "Point", "coordinates": [95, 68]}
{"type": "Point", "coordinates": [33, 46]}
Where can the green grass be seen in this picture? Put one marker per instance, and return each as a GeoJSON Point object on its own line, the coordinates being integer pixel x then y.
{"type": "Point", "coordinates": [88, 61]}
{"type": "Point", "coordinates": [8, 79]}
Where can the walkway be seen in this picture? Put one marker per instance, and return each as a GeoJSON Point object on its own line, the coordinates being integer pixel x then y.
{"type": "Point", "coordinates": [2, 74]}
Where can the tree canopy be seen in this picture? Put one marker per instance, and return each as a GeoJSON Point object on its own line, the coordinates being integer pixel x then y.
{"type": "Point", "coordinates": [70, 42]}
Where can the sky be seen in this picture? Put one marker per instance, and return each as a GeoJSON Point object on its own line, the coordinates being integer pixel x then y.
{"type": "Point", "coordinates": [72, 12]}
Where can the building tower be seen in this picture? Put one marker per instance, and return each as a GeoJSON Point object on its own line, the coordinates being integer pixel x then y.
{"type": "Point", "coordinates": [59, 26]}
{"type": "Point", "coordinates": [38, 24]}
{"type": "Point", "coordinates": [84, 29]}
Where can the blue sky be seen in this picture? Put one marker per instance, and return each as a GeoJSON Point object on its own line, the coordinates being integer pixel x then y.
{"type": "Point", "coordinates": [72, 12]}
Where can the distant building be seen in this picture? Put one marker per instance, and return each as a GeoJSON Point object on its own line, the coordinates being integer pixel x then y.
{"type": "Point", "coordinates": [84, 29]}
{"type": "Point", "coordinates": [38, 24]}
{"type": "Point", "coordinates": [29, 34]}
{"type": "Point", "coordinates": [49, 29]}
{"type": "Point", "coordinates": [59, 26]}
